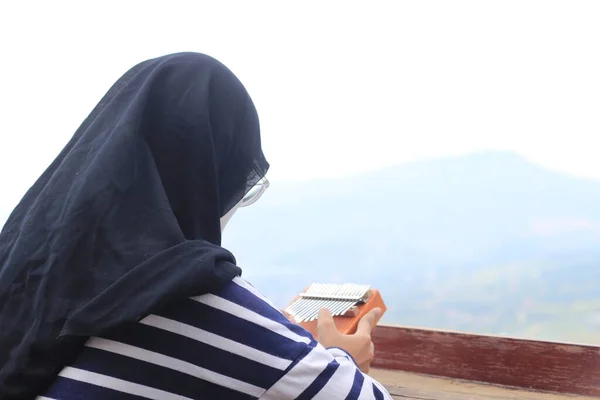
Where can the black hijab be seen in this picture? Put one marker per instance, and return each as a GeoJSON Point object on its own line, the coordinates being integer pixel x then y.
{"type": "Point", "coordinates": [126, 219]}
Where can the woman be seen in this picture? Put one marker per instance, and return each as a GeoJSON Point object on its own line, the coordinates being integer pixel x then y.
{"type": "Point", "coordinates": [113, 284]}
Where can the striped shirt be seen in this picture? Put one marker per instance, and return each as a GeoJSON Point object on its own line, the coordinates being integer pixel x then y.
{"type": "Point", "coordinates": [233, 344]}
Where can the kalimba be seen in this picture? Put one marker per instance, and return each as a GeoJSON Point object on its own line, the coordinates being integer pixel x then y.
{"type": "Point", "coordinates": [347, 302]}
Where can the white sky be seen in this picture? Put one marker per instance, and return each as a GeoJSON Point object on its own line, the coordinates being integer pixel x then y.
{"type": "Point", "coordinates": [341, 86]}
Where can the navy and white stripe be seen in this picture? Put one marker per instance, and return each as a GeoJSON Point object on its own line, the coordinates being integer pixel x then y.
{"type": "Point", "coordinates": [229, 345]}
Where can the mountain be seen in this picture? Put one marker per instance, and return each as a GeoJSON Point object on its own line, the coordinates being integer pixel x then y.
{"type": "Point", "coordinates": [487, 242]}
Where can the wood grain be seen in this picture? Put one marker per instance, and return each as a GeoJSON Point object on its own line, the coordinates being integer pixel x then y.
{"type": "Point", "coordinates": [404, 385]}
{"type": "Point", "coordinates": [544, 366]}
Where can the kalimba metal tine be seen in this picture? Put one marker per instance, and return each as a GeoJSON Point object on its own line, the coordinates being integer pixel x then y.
{"type": "Point", "coordinates": [337, 298]}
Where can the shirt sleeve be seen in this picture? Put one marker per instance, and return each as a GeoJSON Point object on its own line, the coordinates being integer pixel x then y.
{"type": "Point", "coordinates": [228, 345]}
{"type": "Point", "coordinates": [319, 373]}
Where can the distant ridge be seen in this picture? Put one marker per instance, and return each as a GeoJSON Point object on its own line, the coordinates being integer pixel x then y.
{"type": "Point", "coordinates": [454, 242]}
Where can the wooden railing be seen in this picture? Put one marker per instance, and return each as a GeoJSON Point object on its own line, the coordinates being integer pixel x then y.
{"type": "Point", "coordinates": [530, 364]}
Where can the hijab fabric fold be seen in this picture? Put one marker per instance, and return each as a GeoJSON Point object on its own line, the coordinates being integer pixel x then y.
{"type": "Point", "coordinates": [126, 218]}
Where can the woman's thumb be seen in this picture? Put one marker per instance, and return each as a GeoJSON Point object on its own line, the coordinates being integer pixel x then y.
{"type": "Point", "coordinates": [325, 323]}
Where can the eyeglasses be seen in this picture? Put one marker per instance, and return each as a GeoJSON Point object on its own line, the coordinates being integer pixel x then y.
{"type": "Point", "coordinates": [254, 194]}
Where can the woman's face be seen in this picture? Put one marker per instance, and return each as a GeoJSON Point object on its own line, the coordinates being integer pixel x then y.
{"type": "Point", "coordinates": [225, 218]}
{"type": "Point", "coordinates": [250, 198]}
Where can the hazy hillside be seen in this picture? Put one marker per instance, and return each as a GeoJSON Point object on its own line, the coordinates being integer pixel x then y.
{"type": "Point", "coordinates": [486, 242]}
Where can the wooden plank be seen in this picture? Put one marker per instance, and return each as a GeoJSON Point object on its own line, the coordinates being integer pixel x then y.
{"type": "Point", "coordinates": [404, 385]}
{"type": "Point", "coordinates": [543, 366]}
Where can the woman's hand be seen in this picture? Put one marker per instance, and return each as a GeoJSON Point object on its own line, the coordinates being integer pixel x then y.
{"type": "Point", "coordinates": [359, 345]}
{"type": "Point", "coordinates": [288, 316]}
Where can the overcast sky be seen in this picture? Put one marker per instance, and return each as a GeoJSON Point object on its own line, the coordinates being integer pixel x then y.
{"type": "Point", "coordinates": [340, 86]}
